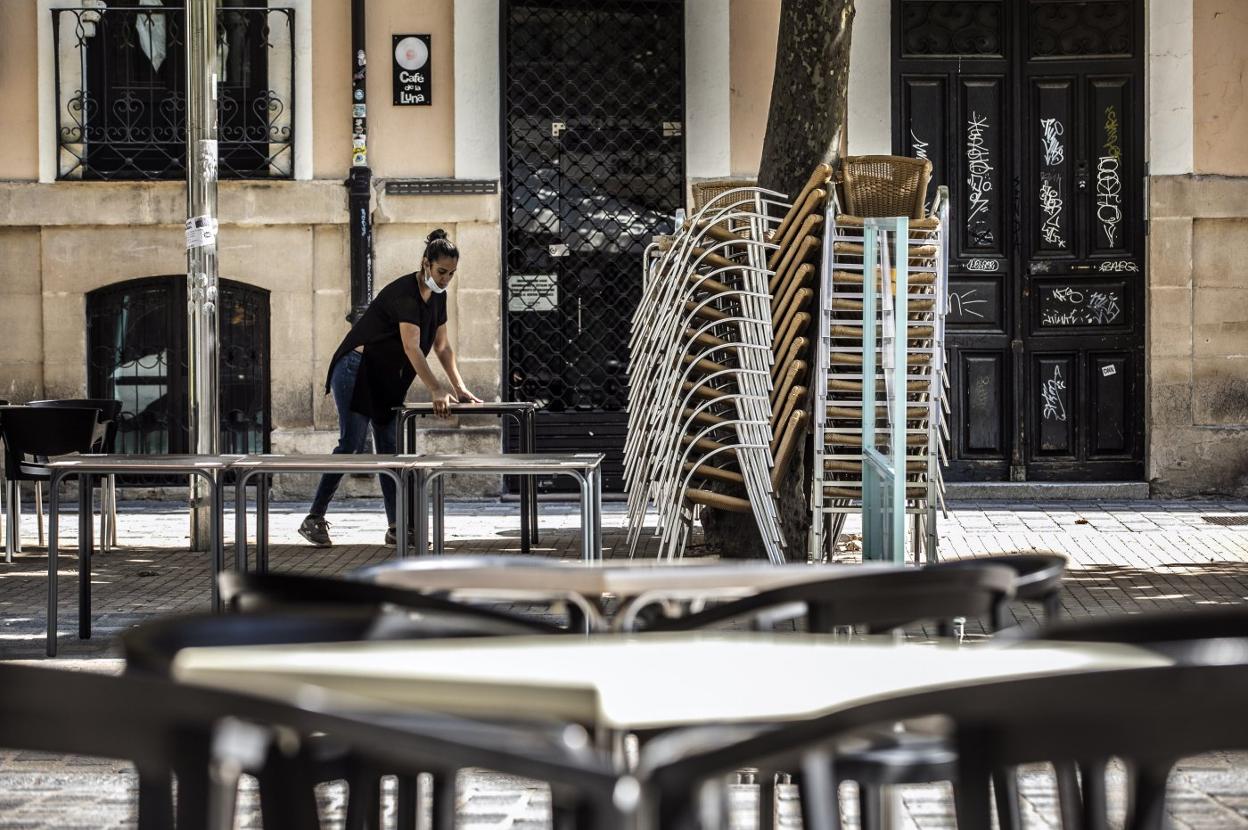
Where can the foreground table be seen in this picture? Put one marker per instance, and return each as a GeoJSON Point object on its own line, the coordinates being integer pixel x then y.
{"type": "Point", "coordinates": [207, 467]}
{"type": "Point", "coordinates": [638, 682]}
{"type": "Point", "coordinates": [524, 413]}
{"type": "Point", "coordinates": [635, 584]}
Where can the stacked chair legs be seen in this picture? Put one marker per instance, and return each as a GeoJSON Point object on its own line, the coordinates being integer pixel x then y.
{"type": "Point", "coordinates": [916, 387]}
{"type": "Point", "coordinates": [720, 357]}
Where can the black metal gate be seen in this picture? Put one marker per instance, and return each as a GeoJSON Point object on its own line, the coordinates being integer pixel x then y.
{"type": "Point", "coordinates": [1032, 113]}
{"type": "Point", "coordinates": [593, 168]}
{"type": "Point", "coordinates": [137, 354]}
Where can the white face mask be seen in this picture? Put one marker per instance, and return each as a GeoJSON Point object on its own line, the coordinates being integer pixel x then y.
{"type": "Point", "coordinates": [433, 286]}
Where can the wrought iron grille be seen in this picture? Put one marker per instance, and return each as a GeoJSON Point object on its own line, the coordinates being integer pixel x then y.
{"type": "Point", "coordinates": [1063, 30]}
{"type": "Point", "coordinates": [121, 91]}
{"type": "Point", "coordinates": [137, 354]}
{"type": "Point", "coordinates": [593, 111]}
{"type": "Point", "coordinates": [941, 27]}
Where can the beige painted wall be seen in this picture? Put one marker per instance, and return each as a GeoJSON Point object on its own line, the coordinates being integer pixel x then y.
{"type": "Point", "coordinates": [754, 25]}
{"type": "Point", "coordinates": [411, 141]}
{"type": "Point", "coordinates": [19, 97]}
{"type": "Point", "coordinates": [1220, 79]}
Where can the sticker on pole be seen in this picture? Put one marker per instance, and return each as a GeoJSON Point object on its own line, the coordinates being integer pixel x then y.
{"type": "Point", "coordinates": [201, 231]}
{"type": "Point", "coordinates": [208, 159]}
{"type": "Point", "coordinates": [533, 292]}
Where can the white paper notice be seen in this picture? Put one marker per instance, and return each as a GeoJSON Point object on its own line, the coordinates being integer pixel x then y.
{"type": "Point", "coordinates": [201, 231]}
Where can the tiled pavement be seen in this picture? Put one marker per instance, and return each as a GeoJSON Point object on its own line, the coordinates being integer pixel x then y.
{"type": "Point", "coordinates": [1124, 557]}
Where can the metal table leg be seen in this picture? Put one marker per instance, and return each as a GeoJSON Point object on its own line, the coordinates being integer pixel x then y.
{"type": "Point", "coordinates": [587, 516]}
{"type": "Point", "coordinates": [439, 515]}
{"type": "Point", "coordinates": [597, 505]}
{"type": "Point", "coordinates": [54, 515]}
{"type": "Point", "coordinates": [10, 523]}
{"type": "Point", "coordinates": [400, 513]}
{"type": "Point", "coordinates": [421, 491]}
{"type": "Point", "coordinates": [85, 544]}
{"type": "Point", "coordinates": [262, 523]}
{"type": "Point", "coordinates": [15, 517]}
{"type": "Point", "coordinates": [530, 416]}
{"type": "Point", "coordinates": [526, 487]}
{"type": "Point", "coordinates": [216, 532]}
{"type": "Point", "coordinates": [240, 524]}
{"type": "Point", "coordinates": [407, 431]}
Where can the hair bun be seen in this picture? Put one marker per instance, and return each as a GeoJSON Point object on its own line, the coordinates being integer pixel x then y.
{"type": "Point", "coordinates": [437, 234]}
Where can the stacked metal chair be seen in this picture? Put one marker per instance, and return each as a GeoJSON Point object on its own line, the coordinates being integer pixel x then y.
{"type": "Point", "coordinates": [881, 186]}
{"type": "Point", "coordinates": [720, 352]}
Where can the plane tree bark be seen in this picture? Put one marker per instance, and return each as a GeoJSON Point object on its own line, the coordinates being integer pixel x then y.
{"type": "Point", "coordinates": [806, 123]}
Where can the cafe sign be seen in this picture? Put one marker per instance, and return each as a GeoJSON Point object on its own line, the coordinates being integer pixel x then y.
{"type": "Point", "coordinates": [412, 84]}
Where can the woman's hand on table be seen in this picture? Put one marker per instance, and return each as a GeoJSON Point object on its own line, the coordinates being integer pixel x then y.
{"type": "Point", "coordinates": [442, 403]}
{"type": "Point", "coordinates": [464, 396]}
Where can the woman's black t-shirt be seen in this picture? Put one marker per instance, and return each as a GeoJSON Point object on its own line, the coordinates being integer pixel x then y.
{"type": "Point", "coordinates": [386, 373]}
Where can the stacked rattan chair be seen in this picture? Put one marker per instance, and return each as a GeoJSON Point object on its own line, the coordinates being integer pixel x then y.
{"type": "Point", "coordinates": [720, 352]}
{"type": "Point", "coordinates": [881, 186]}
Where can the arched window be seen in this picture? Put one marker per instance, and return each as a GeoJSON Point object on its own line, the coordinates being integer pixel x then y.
{"type": "Point", "coordinates": [137, 354]}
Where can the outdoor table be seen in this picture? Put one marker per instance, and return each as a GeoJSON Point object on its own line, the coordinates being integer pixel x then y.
{"type": "Point", "coordinates": [586, 468]}
{"type": "Point", "coordinates": [266, 466]}
{"type": "Point", "coordinates": [617, 684]}
{"type": "Point", "coordinates": [208, 467]}
{"type": "Point", "coordinates": [635, 584]}
{"type": "Point", "coordinates": [524, 413]}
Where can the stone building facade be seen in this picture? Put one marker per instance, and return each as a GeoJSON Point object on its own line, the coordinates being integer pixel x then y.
{"type": "Point", "coordinates": [63, 238]}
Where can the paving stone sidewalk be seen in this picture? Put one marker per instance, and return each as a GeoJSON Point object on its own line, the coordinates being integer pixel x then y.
{"type": "Point", "coordinates": [1124, 558]}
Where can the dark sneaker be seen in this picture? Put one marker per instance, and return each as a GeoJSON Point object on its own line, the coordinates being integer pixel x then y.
{"type": "Point", "coordinates": [392, 538]}
{"type": "Point", "coordinates": [316, 530]}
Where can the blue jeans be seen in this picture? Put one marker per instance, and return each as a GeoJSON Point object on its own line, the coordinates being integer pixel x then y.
{"type": "Point", "coordinates": [352, 432]}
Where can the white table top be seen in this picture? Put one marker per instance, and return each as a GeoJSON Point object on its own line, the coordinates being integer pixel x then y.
{"type": "Point", "coordinates": [638, 682]}
{"type": "Point", "coordinates": [622, 579]}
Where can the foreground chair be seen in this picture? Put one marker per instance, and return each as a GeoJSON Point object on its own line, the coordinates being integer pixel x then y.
{"type": "Point", "coordinates": [1149, 718]}
{"type": "Point", "coordinates": [427, 616]}
{"type": "Point", "coordinates": [253, 592]}
{"type": "Point", "coordinates": [875, 601]}
{"type": "Point", "coordinates": [207, 738]}
{"type": "Point", "coordinates": [880, 602]}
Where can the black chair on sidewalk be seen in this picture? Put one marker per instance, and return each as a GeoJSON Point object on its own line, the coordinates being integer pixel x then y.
{"type": "Point", "coordinates": [151, 648]}
{"type": "Point", "coordinates": [1149, 718]}
{"type": "Point", "coordinates": [876, 601]}
{"type": "Point", "coordinates": [1215, 635]}
{"type": "Point", "coordinates": [1038, 576]}
{"type": "Point", "coordinates": [207, 738]}
{"type": "Point", "coordinates": [253, 592]}
{"type": "Point", "coordinates": [431, 616]}
{"type": "Point", "coordinates": [106, 438]}
{"type": "Point", "coordinates": [880, 602]}
{"type": "Point", "coordinates": [904, 758]}
{"type": "Point", "coordinates": [31, 436]}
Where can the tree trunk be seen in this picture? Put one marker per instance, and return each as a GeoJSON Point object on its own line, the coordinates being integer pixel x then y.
{"type": "Point", "coordinates": [805, 126]}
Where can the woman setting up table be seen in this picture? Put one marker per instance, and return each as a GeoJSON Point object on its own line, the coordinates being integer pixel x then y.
{"type": "Point", "coordinates": [377, 361]}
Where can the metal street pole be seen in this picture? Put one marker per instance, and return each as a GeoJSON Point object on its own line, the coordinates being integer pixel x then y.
{"type": "Point", "coordinates": [201, 247]}
{"type": "Point", "coordinates": [359, 179]}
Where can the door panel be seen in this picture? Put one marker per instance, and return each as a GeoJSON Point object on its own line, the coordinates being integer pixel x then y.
{"type": "Point", "coordinates": [593, 112]}
{"type": "Point", "coordinates": [984, 426]}
{"type": "Point", "coordinates": [1044, 163]}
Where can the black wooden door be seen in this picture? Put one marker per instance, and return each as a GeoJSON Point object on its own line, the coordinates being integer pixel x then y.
{"type": "Point", "coordinates": [593, 108]}
{"type": "Point", "coordinates": [1032, 114]}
